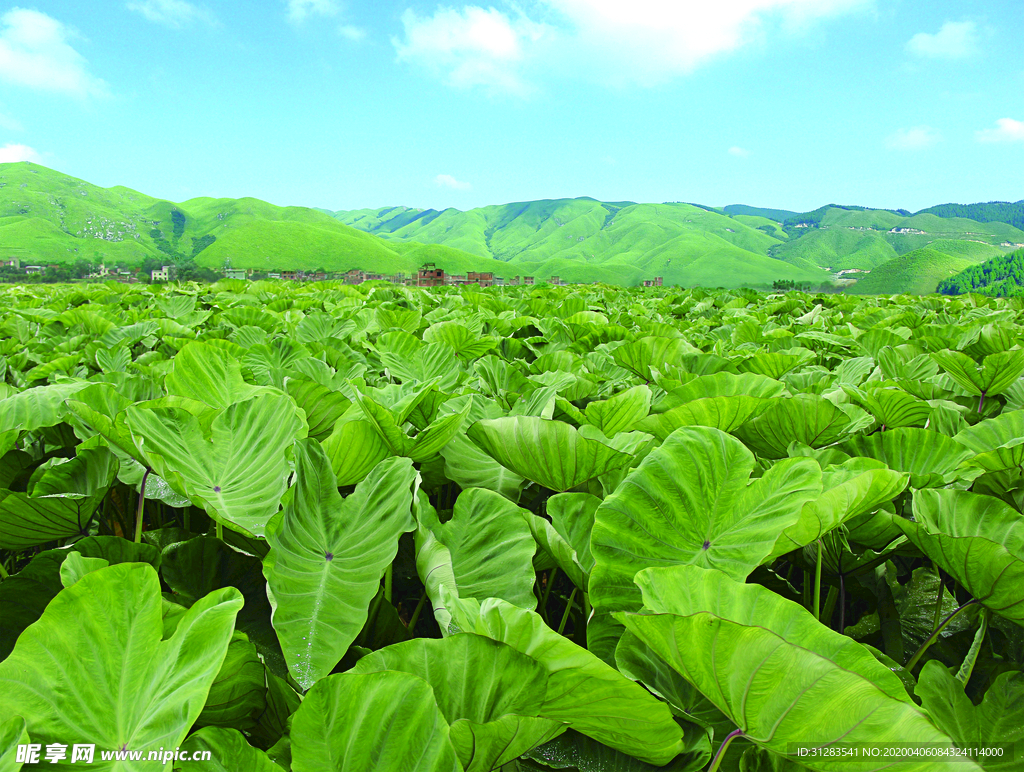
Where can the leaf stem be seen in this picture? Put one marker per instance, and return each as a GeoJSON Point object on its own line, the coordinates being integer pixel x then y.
{"type": "Point", "coordinates": [817, 583]}
{"type": "Point", "coordinates": [138, 511]}
{"type": "Point", "coordinates": [938, 600]}
{"type": "Point", "coordinates": [416, 612]}
{"type": "Point", "coordinates": [716, 762]}
{"type": "Point", "coordinates": [3, 571]}
{"type": "Point", "coordinates": [388, 578]}
{"type": "Point", "coordinates": [934, 636]}
{"type": "Point", "coordinates": [220, 531]}
{"type": "Point", "coordinates": [963, 675]}
{"type": "Point", "coordinates": [552, 575]}
{"type": "Point", "coordinates": [568, 608]}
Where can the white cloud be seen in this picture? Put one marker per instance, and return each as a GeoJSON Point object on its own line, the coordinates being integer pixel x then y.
{"type": "Point", "coordinates": [1007, 130]}
{"type": "Point", "coordinates": [651, 41]}
{"type": "Point", "coordinates": [349, 32]}
{"type": "Point", "coordinates": [447, 181]}
{"type": "Point", "coordinates": [916, 138]}
{"type": "Point", "coordinates": [471, 47]}
{"type": "Point", "coordinates": [955, 40]}
{"type": "Point", "coordinates": [171, 13]}
{"type": "Point", "coordinates": [10, 154]}
{"type": "Point", "coordinates": [300, 10]}
{"type": "Point", "coordinates": [34, 52]}
{"type": "Point", "coordinates": [739, 152]}
{"type": "Point", "coordinates": [640, 41]}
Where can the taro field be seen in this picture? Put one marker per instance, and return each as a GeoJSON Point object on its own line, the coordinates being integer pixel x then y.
{"type": "Point", "coordinates": [382, 529]}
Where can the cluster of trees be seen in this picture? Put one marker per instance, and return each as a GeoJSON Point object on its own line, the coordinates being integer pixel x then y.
{"type": "Point", "coordinates": [993, 211]}
{"type": "Point", "coordinates": [999, 277]}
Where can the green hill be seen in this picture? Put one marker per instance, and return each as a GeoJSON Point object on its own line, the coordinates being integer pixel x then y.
{"type": "Point", "coordinates": [49, 217]}
{"type": "Point", "coordinates": [586, 240]}
{"type": "Point", "coordinates": [918, 272]}
{"type": "Point", "coordinates": [1001, 276]}
{"type": "Point", "coordinates": [993, 211]}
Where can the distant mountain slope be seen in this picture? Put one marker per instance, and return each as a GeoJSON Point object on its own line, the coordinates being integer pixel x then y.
{"type": "Point", "coordinates": [918, 272]}
{"type": "Point", "coordinates": [779, 215]}
{"type": "Point", "coordinates": [49, 217]}
{"type": "Point", "coordinates": [582, 239]}
{"type": "Point", "coordinates": [993, 211]}
{"type": "Point", "coordinates": [999, 277]}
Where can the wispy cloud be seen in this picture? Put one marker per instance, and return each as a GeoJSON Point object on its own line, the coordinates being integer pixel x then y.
{"type": "Point", "coordinates": [353, 33]}
{"type": "Point", "coordinates": [739, 152]}
{"type": "Point", "coordinates": [1006, 130]}
{"type": "Point", "coordinates": [447, 181]}
{"type": "Point", "coordinates": [915, 138]}
{"type": "Point", "coordinates": [300, 10]}
{"type": "Point", "coordinates": [955, 40]}
{"type": "Point", "coordinates": [643, 42]}
{"type": "Point", "coordinates": [35, 52]}
{"type": "Point", "coordinates": [172, 13]}
{"type": "Point", "coordinates": [13, 153]}
{"type": "Point", "coordinates": [470, 48]}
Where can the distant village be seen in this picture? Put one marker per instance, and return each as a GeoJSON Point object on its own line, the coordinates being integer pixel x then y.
{"type": "Point", "coordinates": [429, 275]}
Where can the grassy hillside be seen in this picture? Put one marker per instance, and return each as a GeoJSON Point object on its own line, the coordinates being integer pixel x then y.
{"type": "Point", "coordinates": [1001, 276]}
{"type": "Point", "coordinates": [586, 240]}
{"type": "Point", "coordinates": [49, 217]}
{"type": "Point", "coordinates": [918, 272]}
{"type": "Point", "coordinates": [993, 211]}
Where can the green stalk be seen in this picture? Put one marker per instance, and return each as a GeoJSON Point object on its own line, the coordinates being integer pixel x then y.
{"type": "Point", "coordinates": [568, 608]}
{"type": "Point", "coordinates": [938, 600]}
{"type": "Point", "coordinates": [138, 511]}
{"type": "Point", "coordinates": [3, 571]}
{"type": "Point", "coordinates": [220, 531]}
{"type": "Point", "coordinates": [934, 636]}
{"type": "Point", "coordinates": [830, 606]}
{"type": "Point", "coordinates": [817, 583]}
{"type": "Point", "coordinates": [963, 675]}
{"type": "Point", "coordinates": [717, 761]}
{"type": "Point", "coordinates": [547, 591]}
{"type": "Point", "coordinates": [416, 612]}
{"type": "Point", "coordinates": [387, 583]}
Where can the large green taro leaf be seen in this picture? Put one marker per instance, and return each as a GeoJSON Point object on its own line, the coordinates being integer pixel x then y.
{"type": "Point", "coordinates": [999, 719]}
{"type": "Point", "coordinates": [931, 459]}
{"type": "Point", "coordinates": [722, 384]}
{"type": "Point", "coordinates": [209, 374]}
{"type": "Point", "coordinates": [853, 489]}
{"type": "Point", "coordinates": [35, 408]}
{"type": "Point", "coordinates": [13, 733]}
{"type": "Point", "coordinates": [619, 413]}
{"type": "Point", "coordinates": [470, 467]}
{"type": "Point", "coordinates": [490, 694]}
{"type": "Point", "coordinates": [238, 471]}
{"type": "Point", "coordinates": [25, 595]}
{"type": "Point", "coordinates": [996, 374]}
{"type": "Point", "coordinates": [582, 691]}
{"type": "Point", "coordinates": [892, 408]}
{"type": "Point", "coordinates": [60, 502]}
{"type": "Point", "coordinates": [640, 356]}
{"type": "Point", "coordinates": [327, 555]}
{"type": "Point", "coordinates": [94, 668]}
{"type": "Point", "coordinates": [354, 448]}
{"type": "Point", "coordinates": [485, 551]}
{"type": "Point", "coordinates": [806, 418]}
{"type": "Point", "coordinates": [228, 751]}
{"type": "Point", "coordinates": [374, 722]}
{"type": "Point", "coordinates": [978, 540]}
{"type": "Point", "coordinates": [723, 413]}
{"type": "Point", "coordinates": [776, 672]}
{"type": "Point", "coordinates": [239, 690]}
{"type": "Point", "coordinates": [550, 453]}
{"type": "Point", "coordinates": [691, 501]}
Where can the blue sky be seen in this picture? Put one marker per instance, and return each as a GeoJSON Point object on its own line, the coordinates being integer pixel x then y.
{"type": "Point", "coordinates": [781, 103]}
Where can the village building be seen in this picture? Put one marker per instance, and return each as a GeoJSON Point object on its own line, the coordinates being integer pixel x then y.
{"type": "Point", "coordinates": [231, 273]}
{"type": "Point", "coordinates": [166, 273]}
{"type": "Point", "coordinates": [430, 275]}
{"type": "Point", "coordinates": [483, 279]}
